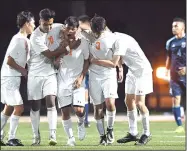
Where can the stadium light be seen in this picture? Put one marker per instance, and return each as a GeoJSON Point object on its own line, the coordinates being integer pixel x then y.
{"type": "Point", "coordinates": [160, 73]}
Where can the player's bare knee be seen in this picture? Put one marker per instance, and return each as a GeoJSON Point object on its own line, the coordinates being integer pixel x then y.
{"type": "Point", "coordinates": [65, 113]}
{"type": "Point", "coordinates": [110, 104]}
{"type": "Point", "coordinates": [140, 105]}
{"type": "Point", "coordinates": [98, 111]}
{"type": "Point", "coordinates": [79, 111]}
{"type": "Point", "coordinates": [35, 105]}
{"type": "Point", "coordinates": [50, 101]}
{"type": "Point", "coordinates": [18, 110]}
{"type": "Point", "coordinates": [8, 110]}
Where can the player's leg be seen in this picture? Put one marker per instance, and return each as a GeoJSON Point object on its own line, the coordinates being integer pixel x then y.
{"type": "Point", "coordinates": [5, 115]}
{"type": "Point", "coordinates": [97, 98]}
{"type": "Point", "coordinates": [109, 87]}
{"type": "Point", "coordinates": [78, 105]}
{"type": "Point", "coordinates": [34, 91]}
{"type": "Point", "coordinates": [132, 135]}
{"type": "Point", "coordinates": [64, 102]}
{"type": "Point", "coordinates": [50, 92]}
{"type": "Point", "coordinates": [176, 92]}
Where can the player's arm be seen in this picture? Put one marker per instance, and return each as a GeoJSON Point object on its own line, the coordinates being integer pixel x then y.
{"type": "Point", "coordinates": [120, 70]}
{"type": "Point", "coordinates": [168, 59]}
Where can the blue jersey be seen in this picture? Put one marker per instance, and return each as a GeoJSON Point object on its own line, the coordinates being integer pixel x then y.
{"type": "Point", "coordinates": [176, 49]}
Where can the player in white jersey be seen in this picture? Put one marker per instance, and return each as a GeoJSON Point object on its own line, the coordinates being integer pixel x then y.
{"type": "Point", "coordinates": [139, 73]}
{"type": "Point", "coordinates": [103, 82]}
{"type": "Point", "coordinates": [71, 72]}
{"type": "Point", "coordinates": [42, 82]}
{"type": "Point", "coordinates": [12, 69]}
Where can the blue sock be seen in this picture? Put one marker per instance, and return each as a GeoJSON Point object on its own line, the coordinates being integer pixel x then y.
{"type": "Point", "coordinates": [177, 115]}
{"type": "Point", "coordinates": [86, 112]}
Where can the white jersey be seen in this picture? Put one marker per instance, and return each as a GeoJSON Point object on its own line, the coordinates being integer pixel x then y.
{"type": "Point", "coordinates": [102, 49]}
{"type": "Point", "coordinates": [18, 49]}
{"type": "Point", "coordinates": [132, 54]}
{"type": "Point", "coordinates": [39, 65]}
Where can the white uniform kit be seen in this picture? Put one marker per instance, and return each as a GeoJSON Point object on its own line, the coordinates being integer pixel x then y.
{"type": "Point", "coordinates": [18, 49]}
{"type": "Point", "coordinates": [139, 77]}
{"type": "Point", "coordinates": [102, 80]}
{"type": "Point", "coordinates": [70, 69]}
{"type": "Point", "coordinates": [42, 75]}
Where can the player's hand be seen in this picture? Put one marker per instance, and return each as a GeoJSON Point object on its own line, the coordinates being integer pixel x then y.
{"type": "Point", "coordinates": [74, 44]}
{"type": "Point", "coordinates": [120, 75]}
{"type": "Point", "coordinates": [23, 72]}
{"type": "Point", "coordinates": [77, 82]}
{"type": "Point", "coordinates": [182, 71]}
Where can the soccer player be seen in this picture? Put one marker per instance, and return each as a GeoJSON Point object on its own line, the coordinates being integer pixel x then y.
{"type": "Point", "coordinates": [12, 69]}
{"type": "Point", "coordinates": [102, 80]}
{"type": "Point", "coordinates": [139, 72]}
{"type": "Point", "coordinates": [42, 82]}
{"type": "Point", "coordinates": [72, 70]}
{"type": "Point", "coordinates": [176, 63]}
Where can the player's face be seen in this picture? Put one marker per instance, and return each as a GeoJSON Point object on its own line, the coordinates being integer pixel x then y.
{"type": "Point", "coordinates": [46, 26]}
{"type": "Point", "coordinates": [84, 25]}
{"type": "Point", "coordinates": [30, 26]}
{"type": "Point", "coordinates": [71, 31]}
{"type": "Point", "coordinates": [177, 28]}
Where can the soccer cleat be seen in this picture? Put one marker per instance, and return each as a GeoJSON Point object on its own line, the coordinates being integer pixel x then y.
{"type": "Point", "coordinates": [71, 141]}
{"type": "Point", "coordinates": [110, 136]}
{"type": "Point", "coordinates": [179, 129]}
{"type": "Point", "coordinates": [103, 140]}
{"type": "Point", "coordinates": [14, 142]}
{"type": "Point", "coordinates": [144, 139]}
{"type": "Point", "coordinates": [36, 141]}
{"type": "Point", "coordinates": [2, 143]}
{"type": "Point", "coordinates": [52, 141]}
{"type": "Point", "coordinates": [128, 138]}
{"type": "Point", "coordinates": [87, 124]}
{"type": "Point", "coordinates": [81, 131]}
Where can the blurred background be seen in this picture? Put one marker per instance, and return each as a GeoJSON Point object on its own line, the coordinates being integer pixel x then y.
{"type": "Point", "coordinates": [148, 21]}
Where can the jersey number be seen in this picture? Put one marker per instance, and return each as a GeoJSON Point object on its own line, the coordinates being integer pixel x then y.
{"type": "Point", "coordinates": [98, 45]}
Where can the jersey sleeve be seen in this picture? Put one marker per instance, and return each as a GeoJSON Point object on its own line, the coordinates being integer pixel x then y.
{"type": "Point", "coordinates": [119, 47]}
{"type": "Point", "coordinates": [168, 45]}
{"type": "Point", "coordinates": [85, 48]}
{"type": "Point", "coordinates": [16, 45]}
{"type": "Point", "coordinates": [38, 45]}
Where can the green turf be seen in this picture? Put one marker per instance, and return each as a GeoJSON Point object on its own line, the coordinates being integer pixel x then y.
{"type": "Point", "coordinates": [163, 138]}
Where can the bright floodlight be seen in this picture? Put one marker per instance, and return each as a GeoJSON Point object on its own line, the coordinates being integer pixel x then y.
{"type": "Point", "coordinates": [161, 73]}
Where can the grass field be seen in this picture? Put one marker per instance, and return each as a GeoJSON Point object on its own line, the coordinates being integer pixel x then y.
{"type": "Point", "coordinates": [163, 138]}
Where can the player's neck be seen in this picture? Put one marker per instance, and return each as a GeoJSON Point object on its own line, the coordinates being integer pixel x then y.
{"type": "Point", "coordinates": [23, 32]}
{"type": "Point", "coordinates": [179, 36]}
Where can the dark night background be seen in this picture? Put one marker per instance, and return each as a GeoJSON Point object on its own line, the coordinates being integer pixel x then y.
{"type": "Point", "coordinates": [148, 21]}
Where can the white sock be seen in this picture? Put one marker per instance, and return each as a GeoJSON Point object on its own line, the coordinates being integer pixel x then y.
{"type": "Point", "coordinates": [110, 118]}
{"type": "Point", "coordinates": [4, 119]}
{"type": "Point", "coordinates": [145, 123]}
{"type": "Point", "coordinates": [35, 121]}
{"type": "Point", "coordinates": [81, 120]}
{"type": "Point", "coordinates": [101, 127]}
{"type": "Point", "coordinates": [2, 134]}
{"type": "Point", "coordinates": [132, 119]}
{"type": "Point", "coordinates": [14, 120]}
{"type": "Point", "coordinates": [67, 124]}
{"type": "Point", "coordinates": [52, 120]}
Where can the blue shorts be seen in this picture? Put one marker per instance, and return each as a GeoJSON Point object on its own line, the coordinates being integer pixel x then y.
{"type": "Point", "coordinates": [86, 81]}
{"type": "Point", "coordinates": [178, 88]}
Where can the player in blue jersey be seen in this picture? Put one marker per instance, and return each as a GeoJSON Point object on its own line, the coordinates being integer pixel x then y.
{"type": "Point", "coordinates": [176, 63]}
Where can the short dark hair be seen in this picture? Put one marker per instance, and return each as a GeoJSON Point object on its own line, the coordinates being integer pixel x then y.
{"type": "Point", "coordinates": [178, 19]}
{"type": "Point", "coordinates": [47, 14]}
{"type": "Point", "coordinates": [98, 24]}
{"type": "Point", "coordinates": [23, 17]}
{"type": "Point", "coordinates": [84, 18]}
{"type": "Point", "coordinates": [72, 21]}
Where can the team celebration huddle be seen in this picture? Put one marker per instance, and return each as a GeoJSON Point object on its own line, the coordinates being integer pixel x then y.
{"type": "Point", "coordinates": [55, 61]}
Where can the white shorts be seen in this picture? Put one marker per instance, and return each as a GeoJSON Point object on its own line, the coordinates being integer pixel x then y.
{"type": "Point", "coordinates": [100, 90]}
{"type": "Point", "coordinates": [139, 86]}
{"type": "Point", "coordinates": [10, 94]}
{"type": "Point", "coordinates": [74, 97]}
{"type": "Point", "coordinates": [40, 87]}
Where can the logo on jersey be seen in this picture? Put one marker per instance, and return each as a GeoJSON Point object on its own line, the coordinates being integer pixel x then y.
{"type": "Point", "coordinates": [98, 47]}
{"type": "Point", "coordinates": [173, 45]}
{"type": "Point", "coordinates": [183, 44]}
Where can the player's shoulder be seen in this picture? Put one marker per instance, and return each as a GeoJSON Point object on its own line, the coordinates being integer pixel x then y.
{"type": "Point", "coordinates": [170, 40]}
{"type": "Point", "coordinates": [19, 39]}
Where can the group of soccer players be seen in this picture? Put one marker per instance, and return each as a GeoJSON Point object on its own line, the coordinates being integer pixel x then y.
{"type": "Point", "coordinates": [58, 57]}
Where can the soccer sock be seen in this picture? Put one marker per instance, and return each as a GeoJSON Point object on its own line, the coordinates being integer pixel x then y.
{"type": "Point", "coordinates": [100, 126]}
{"type": "Point", "coordinates": [4, 119]}
{"type": "Point", "coordinates": [86, 112]}
{"type": "Point", "coordinates": [14, 120]}
{"type": "Point", "coordinates": [132, 120]}
{"type": "Point", "coordinates": [177, 115]}
{"type": "Point", "coordinates": [145, 123]}
{"type": "Point", "coordinates": [67, 124]}
{"type": "Point", "coordinates": [110, 118]}
{"type": "Point", "coordinates": [35, 121]}
{"type": "Point", "coordinates": [52, 120]}
{"type": "Point", "coordinates": [81, 120]}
